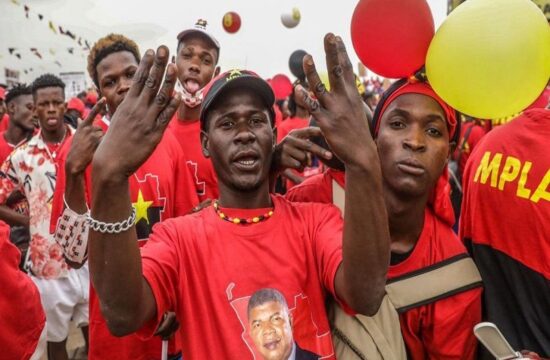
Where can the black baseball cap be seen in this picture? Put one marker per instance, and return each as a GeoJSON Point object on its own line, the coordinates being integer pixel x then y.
{"type": "Point", "coordinates": [237, 79]}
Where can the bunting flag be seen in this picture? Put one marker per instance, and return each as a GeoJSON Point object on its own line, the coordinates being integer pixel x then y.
{"type": "Point", "coordinates": [52, 51]}
{"type": "Point", "coordinates": [35, 52]}
{"type": "Point", "coordinates": [70, 50]}
{"type": "Point", "coordinates": [18, 56]}
{"type": "Point", "coordinates": [58, 63]}
{"type": "Point", "coordinates": [55, 29]}
{"type": "Point", "coordinates": [11, 50]}
{"type": "Point", "coordinates": [52, 27]}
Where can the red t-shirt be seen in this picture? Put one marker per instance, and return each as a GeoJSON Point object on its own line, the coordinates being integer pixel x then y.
{"type": "Point", "coordinates": [317, 188]}
{"type": "Point", "coordinates": [506, 221]}
{"type": "Point", "coordinates": [440, 330]}
{"type": "Point", "coordinates": [467, 145]}
{"type": "Point", "coordinates": [206, 269]}
{"type": "Point", "coordinates": [290, 124]}
{"type": "Point", "coordinates": [160, 189]}
{"type": "Point", "coordinates": [22, 317]}
{"type": "Point", "coordinates": [187, 133]}
{"type": "Point", "coordinates": [4, 122]}
{"type": "Point", "coordinates": [5, 148]}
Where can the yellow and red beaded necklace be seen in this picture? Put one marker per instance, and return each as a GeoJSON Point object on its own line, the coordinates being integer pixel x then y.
{"type": "Point", "coordinates": [241, 221]}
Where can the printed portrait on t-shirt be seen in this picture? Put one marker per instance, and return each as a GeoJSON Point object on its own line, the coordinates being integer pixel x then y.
{"type": "Point", "coordinates": [270, 327]}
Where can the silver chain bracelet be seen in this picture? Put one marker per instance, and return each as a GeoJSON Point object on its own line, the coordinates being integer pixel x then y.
{"type": "Point", "coordinates": [112, 228]}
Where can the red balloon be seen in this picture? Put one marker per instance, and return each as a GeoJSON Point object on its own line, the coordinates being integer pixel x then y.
{"type": "Point", "coordinates": [231, 22]}
{"type": "Point", "coordinates": [391, 37]}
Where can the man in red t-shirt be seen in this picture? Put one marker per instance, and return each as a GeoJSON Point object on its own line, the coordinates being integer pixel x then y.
{"type": "Point", "coordinates": [197, 57]}
{"type": "Point", "coordinates": [161, 188]}
{"type": "Point", "coordinates": [414, 149]}
{"type": "Point", "coordinates": [206, 266]}
{"type": "Point", "coordinates": [4, 118]}
{"type": "Point", "coordinates": [20, 106]}
{"type": "Point", "coordinates": [22, 333]}
{"type": "Point", "coordinates": [504, 222]}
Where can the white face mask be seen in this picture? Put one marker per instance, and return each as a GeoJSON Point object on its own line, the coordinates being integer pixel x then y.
{"type": "Point", "coordinates": [191, 100]}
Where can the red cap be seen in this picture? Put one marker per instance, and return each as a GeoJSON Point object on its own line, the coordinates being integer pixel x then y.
{"type": "Point", "coordinates": [76, 104]}
{"type": "Point", "coordinates": [2, 93]}
{"type": "Point", "coordinates": [281, 85]}
{"type": "Point", "coordinates": [91, 98]}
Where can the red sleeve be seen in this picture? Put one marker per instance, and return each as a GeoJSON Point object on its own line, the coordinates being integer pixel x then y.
{"type": "Point", "coordinates": [21, 312]}
{"type": "Point", "coordinates": [449, 335]}
{"type": "Point", "coordinates": [160, 264]}
{"type": "Point", "coordinates": [57, 204]}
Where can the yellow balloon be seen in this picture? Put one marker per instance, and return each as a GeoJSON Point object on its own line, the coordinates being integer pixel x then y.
{"type": "Point", "coordinates": [491, 59]}
{"type": "Point", "coordinates": [324, 79]}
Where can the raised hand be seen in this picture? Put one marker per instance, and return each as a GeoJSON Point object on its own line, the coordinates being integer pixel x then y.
{"type": "Point", "coordinates": [140, 120]}
{"type": "Point", "coordinates": [295, 150]}
{"type": "Point", "coordinates": [85, 141]}
{"type": "Point", "coordinates": [339, 112]}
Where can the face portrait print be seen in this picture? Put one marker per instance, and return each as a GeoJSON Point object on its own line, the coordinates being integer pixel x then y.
{"type": "Point", "coordinates": [270, 325]}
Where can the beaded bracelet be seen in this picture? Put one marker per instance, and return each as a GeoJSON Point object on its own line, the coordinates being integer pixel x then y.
{"type": "Point", "coordinates": [112, 228]}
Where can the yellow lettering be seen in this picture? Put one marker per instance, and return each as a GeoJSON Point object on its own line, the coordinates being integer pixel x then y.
{"type": "Point", "coordinates": [542, 192]}
{"type": "Point", "coordinates": [510, 171]}
{"type": "Point", "coordinates": [487, 168]}
{"type": "Point", "coordinates": [524, 192]}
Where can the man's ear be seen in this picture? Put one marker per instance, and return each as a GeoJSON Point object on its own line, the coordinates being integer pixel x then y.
{"type": "Point", "coordinates": [10, 107]}
{"type": "Point", "coordinates": [217, 71]}
{"type": "Point", "coordinates": [205, 144]}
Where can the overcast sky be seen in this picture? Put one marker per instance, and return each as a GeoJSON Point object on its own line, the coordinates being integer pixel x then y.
{"type": "Point", "coordinates": [262, 44]}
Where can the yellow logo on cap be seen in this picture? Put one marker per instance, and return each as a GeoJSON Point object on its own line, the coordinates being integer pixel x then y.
{"type": "Point", "coordinates": [234, 74]}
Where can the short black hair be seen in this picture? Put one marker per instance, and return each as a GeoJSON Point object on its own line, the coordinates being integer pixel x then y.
{"type": "Point", "coordinates": [45, 81]}
{"type": "Point", "coordinates": [16, 91]}
{"type": "Point", "coordinates": [266, 295]}
{"type": "Point", "coordinates": [106, 46]}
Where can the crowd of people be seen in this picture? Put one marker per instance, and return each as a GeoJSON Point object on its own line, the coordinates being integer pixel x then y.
{"type": "Point", "coordinates": [189, 212]}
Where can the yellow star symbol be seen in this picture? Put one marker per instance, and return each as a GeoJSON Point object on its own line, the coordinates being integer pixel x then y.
{"type": "Point", "coordinates": [141, 207]}
{"type": "Point", "coordinates": [235, 73]}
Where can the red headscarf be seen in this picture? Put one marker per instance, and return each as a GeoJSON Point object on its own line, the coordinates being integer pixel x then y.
{"type": "Point", "coordinates": [440, 199]}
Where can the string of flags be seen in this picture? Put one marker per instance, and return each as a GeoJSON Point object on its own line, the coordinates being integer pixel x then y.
{"type": "Point", "coordinates": [38, 52]}
{"type": "Point", "coordinates": [58, 30]}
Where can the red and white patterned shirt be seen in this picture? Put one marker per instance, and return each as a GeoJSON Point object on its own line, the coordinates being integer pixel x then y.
{"type": "Point", "coordinates": [31, 169]}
